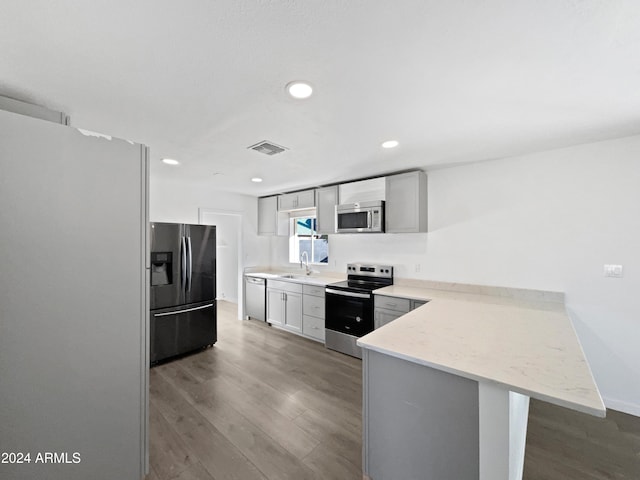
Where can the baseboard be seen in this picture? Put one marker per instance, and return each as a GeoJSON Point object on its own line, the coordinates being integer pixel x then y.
{"type": "Point", "coordinates": [620, 406]}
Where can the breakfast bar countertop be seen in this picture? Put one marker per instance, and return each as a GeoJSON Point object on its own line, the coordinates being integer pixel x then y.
{"type": "Point", "coordinates": [528, 346]}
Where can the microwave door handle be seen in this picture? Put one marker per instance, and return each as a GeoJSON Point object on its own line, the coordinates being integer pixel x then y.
{"type": "Point", "coordinates": [369, 222]}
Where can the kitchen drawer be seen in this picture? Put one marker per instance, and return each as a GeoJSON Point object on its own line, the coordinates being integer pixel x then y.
{"type": "Point", "coordinates": [313, 306]}
{"type": "Point", "coordinates": [393, 303]}
{"type": "Point", "coordinates": [285, 286]}
{"type": "Point", "coordinates": [316, 290]}
{"type": "Point", "coordinates": [313, 327]}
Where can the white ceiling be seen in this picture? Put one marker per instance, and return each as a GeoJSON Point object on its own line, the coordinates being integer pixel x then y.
{"type": "Point", "coordinates": [454, 81]}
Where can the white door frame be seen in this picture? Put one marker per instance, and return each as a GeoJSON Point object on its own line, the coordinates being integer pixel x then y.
{"type": "Point", "coordinates": [202, 212]}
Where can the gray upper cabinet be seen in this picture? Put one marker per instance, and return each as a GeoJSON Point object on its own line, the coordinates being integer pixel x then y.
{"type": "Point", "coordinates": [406, 203]}
{"type": "Point", "coordinates": [326, 201]}
{"type": "Point", "coordinates": [267, 216]}
{"type": "Point", "coordinates": [297, 200]}
{"type": "Point", "coordinates": [270, 220]}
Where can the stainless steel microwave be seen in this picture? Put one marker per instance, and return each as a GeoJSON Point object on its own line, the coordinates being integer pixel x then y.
{"type": "Point", "coordinates": [363, 217]}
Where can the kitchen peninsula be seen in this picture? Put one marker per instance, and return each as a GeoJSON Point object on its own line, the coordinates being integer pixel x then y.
{"type": "Point", "coordinates": [447, 386]}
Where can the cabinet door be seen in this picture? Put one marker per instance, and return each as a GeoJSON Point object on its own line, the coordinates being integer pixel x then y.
{"type": "Point", "coordinates": [297, 200]}
{"type": "Point", "coordinates": [270, 220]}
{"type": "Point", "coordinates": [417, 303]}
{"type": "Point", "coordinates": [267, 215]}
{"type": "Point", "coordinates": [326, 201]}
{"type": "Point", "coordinates": [306, 199]}
{"type": "Point", "coordinates": [275, 307]}
{"type": "Point", "coordinates": [293, 314]}
{"type": "Point", "coordinates": [288, 201]}
{"type": "Point", "coordinates": [382, 317]}
{"type": "Point", "coordinates": [362, 190]}
{"type": "Point", "coordinates": [401, 305]}
{"type": "Point", "coordinates": [406, 203]}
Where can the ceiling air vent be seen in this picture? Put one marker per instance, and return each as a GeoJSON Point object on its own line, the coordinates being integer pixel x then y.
{"type": "Point", "coordinates": [268, 148]}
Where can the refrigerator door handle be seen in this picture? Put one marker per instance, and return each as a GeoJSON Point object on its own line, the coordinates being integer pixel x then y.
{"type": "Point", "coordinates": [183, 262]}
{"type": "Point", "coordinates": [189, 264]}
{"type": "Point", "coordinates": [178, 312]}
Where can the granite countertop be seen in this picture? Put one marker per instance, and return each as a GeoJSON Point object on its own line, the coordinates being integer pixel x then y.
{"type": "Point", "coordinates": [523, 343]}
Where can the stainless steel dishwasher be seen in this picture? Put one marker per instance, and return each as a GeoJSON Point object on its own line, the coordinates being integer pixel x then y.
{"type": "Point", "coordinates": [255, 296]}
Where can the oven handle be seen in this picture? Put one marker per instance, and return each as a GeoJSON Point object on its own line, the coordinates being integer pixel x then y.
{"type": "Point", "coordinates": [348, 294]}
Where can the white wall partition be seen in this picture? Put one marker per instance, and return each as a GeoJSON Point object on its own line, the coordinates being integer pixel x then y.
{"type": "Point", "coordinates": [73, 303]}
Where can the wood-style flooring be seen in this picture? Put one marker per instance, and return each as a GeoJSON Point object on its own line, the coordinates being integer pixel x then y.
{"type": "Point", "coordinates": [266, 404]}
{"type": "Point", "coordinates": [565, 444]}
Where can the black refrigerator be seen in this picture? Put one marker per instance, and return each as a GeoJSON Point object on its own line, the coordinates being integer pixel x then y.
{"type": "Point", "coordinates": [183, 289]}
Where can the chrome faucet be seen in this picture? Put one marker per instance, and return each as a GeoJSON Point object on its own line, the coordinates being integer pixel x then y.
{"type": "Point", "coordinates": [302, 257]}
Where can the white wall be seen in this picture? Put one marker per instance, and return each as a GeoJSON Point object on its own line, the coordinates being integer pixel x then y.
{"type": "Point", "coordinates": [548, 221]}
{"type": "Point", "coordinates": [176, 202]}
{"type": "Point", "coordinates": [228, 246]}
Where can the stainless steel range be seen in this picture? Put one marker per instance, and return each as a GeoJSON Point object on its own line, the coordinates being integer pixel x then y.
{"type": "Point", "coordinates": [349, 306]}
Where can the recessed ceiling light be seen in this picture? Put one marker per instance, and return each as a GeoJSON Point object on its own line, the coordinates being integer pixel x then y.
{"type": "Point", "coordinates": [256, 179]}
{"type": "Point", "coordinates": [170, 161]}
{"type": "Point", "coordinates": [390, 144]}
{"type": "Point", "coordinates": [299, 89]}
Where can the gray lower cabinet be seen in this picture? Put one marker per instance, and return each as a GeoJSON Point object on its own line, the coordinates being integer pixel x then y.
{"type": "Point", "coordinates": [296, 307]}
{"type": "Point", "coordinates": [284, 305]}
{"type": "Point", "coordinates": [389, 308]}
{"type": "Point", "coordinates": [313, 312]}
{"type": "Point", "coordinates": [419, 423]}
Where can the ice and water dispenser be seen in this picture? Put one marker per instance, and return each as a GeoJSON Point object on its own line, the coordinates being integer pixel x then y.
{"type": "Point", "coordinates": [161, 268]}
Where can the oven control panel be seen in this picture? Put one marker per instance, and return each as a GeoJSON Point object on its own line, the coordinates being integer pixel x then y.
{"type": "Point", "coordinates": [370, 270]}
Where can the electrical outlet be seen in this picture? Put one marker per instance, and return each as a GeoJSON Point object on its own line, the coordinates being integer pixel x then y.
{"type": "Point", "coordinates": [613, 271]}
{"type": "Point", "coordinates": [417, 268]}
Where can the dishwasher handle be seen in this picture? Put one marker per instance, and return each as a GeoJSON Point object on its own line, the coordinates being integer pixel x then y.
{"type": "Point", "coordinates": [256, 281]}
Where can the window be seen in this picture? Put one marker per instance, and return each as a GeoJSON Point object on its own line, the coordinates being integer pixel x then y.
{"type": "Point", "coordinates": [305, 239]}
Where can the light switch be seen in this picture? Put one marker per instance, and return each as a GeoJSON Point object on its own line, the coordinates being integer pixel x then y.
{"type": "Point", "coordinates": [613, 271]}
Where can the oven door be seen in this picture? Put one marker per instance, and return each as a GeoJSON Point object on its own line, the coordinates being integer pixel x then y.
{"type": "Point", "coordinates": [348, 312]}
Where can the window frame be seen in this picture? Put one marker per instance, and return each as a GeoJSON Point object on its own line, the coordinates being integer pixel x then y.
{"type": "Point", "coordinates": [294, 239]}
